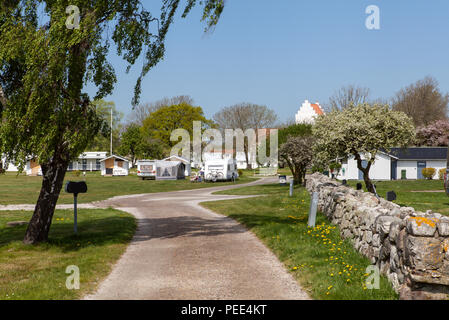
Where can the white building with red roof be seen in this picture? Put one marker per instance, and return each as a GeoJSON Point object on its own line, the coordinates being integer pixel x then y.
{"type": "Point", "coordinates": [308, 112]}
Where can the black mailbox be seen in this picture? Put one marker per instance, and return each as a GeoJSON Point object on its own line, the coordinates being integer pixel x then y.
{"type": "Point", "coordinates": [391, 196]}
{"type": "Point", "coordinates": [76, 187]}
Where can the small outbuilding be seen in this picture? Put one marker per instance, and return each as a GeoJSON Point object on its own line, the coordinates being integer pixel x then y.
{"type": "Point", "coordinates": [170, 170]}
{"type": "Point", "coordinates": [114, 166]}
{"type": "Point", "coordinates": [187, 164]}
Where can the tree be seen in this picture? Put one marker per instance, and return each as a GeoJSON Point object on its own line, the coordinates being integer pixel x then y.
{"type": "Point", "coordinates": [347, 96]}
{"type": "Point", "coordinates": [295, 130]}
{"type": "Point", "coordinates": [160, 124]}
{"type": "Point", "coordinates": [135, 145]}
{"type": "Point", "coordinates": [245, 116]}
{"type": "Point", "coordinates": [297, 152]}
{"type": "Point", "coordinates": [422, 101]}
{"type": "Point", "coordinates": [143, 111]}
{"type": "Point", "coordinates": [362, 130]}
{"type": "Point", "coordinates": [46, 62]}
{"type": "Point", "coordinates": [435, 134]}
{"type": "Point", "coordinates": [131, 143]}
{"type": "Point", "coordinates": [102, 141]}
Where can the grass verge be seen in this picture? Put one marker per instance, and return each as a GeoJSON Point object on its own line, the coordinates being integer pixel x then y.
{"type": "Point", "coordinates": [422, 195]}
{"type": "Point", "coordinates": [38, 272]}
{"type": "Point", "coordinates": [325, 265]}
{"type": "Point", "coordinates": [22, 189]}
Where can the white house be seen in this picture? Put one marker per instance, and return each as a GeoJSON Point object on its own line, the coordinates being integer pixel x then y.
{"type": "Point", "coordinates": [397, 164]}
{"type": "Point", "coordinates": [114, 166]}
{"type": "Point", "coordinates": [308, 112]}
{"type": "Point", "coordinates": [88, 161]}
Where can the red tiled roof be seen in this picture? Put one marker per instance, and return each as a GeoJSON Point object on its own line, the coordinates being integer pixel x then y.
{"type": "Point", "coordinates": [317, 109]}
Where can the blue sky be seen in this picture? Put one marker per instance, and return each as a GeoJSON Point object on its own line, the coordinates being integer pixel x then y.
{"type": "Point", "coordinates": [279, 53]}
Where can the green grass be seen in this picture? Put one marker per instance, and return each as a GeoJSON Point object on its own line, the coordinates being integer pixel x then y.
{"type": "Point", "coordinates": [38, 272]}
{"type": "Point", "coordinates": [315, 256]}
{"type": "Point", "coordinates": [22, 189]}
{"type": "Point", "coordinates": [422, 201]}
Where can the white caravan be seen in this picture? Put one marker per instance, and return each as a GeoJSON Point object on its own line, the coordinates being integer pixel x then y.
{"type": "Point", "coordinates": [146, 169]}
{"type": "Point", "coordinates": [220, 170]}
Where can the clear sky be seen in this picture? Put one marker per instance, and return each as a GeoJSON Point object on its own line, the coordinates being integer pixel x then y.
{"type": "Point", "coordinates": [281, 52]}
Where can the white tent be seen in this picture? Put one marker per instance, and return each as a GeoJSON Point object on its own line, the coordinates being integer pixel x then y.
{"type": "Point", "coordinates": [170, 170]}
{"type": "Point", "coordinates": [186, 163]}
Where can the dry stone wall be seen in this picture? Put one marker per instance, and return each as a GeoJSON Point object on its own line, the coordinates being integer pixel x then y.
{"type": "Point", "coordinates": [411, 248]}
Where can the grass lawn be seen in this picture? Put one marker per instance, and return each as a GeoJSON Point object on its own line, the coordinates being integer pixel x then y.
{"type": "Point", "coordinates": [22, 189]}
{"type": "Point", "coordinates": [422, 201]}
{"type": "Point", "coordinates": [324, 265]}
{"type": "Point", "coordinates": [38, 272]}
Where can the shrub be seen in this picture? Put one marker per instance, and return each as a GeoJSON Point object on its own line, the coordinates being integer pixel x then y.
{"type": "Point", "coordinates": [317, 168]}
{"type": "Point", "coordinates": [240, 171]}
{"type": "Point", "coordinates": [441, 173]}
{"type": "Point", "coordinates": [428, 173]}
{"type": "Point", "coordinates": [77, 173]}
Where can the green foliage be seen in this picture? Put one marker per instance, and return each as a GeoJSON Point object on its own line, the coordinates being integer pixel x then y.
{"type": "Point", "coordinates": [76, 173]}
{"type": "Point", "coordinates": [135, 145]}
{"type": "Point", "coordinates": [335, 166]}
{"type": "Point", "coordinates": [296, 130]}
{"type": "Point", "coordinates": [160, 124]}
{"type": "Point", "coordinates": [45, 68]}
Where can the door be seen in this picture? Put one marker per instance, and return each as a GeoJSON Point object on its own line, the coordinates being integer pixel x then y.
{"type": "Point", "coordinates": [421, 165]}
{"type": "Point", "coordinates": [364, 165]}
{"type": "Point", "coordinates": [394, 170]}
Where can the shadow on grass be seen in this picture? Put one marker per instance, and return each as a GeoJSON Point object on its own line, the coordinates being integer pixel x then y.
{"type": "Point", "coordinates": [99, 232]}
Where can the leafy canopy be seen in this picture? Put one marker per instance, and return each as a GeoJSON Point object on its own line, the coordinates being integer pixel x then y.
{"type": "Point", "coordinates": [160, 124]}
{"type": "Point", "coordinates": [362, 129]}
{"type": "Point", "coordinates": [44, 67]}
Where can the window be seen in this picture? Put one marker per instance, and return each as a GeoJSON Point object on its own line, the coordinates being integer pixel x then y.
{"type": "Point", "coordinates": [98, 164]}
{"type": "Point", "coordinates": [84, 164]}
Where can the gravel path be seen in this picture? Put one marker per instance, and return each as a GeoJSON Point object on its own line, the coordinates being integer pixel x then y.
{"type": "Point", "coordinates": [184, 251]}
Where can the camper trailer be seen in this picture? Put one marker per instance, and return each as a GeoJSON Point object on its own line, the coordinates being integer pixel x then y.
{"type": "Point", "coordinates": [146, 169]}
{"type": "Point", "coordinates": [221, 170]}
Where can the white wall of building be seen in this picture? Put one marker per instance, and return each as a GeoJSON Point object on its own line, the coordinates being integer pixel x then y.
{"type": "Point", "coordinates": [380, 170]}
{"type": "Point", "coordinates": [411, 167]}
{"type": "Point", "coordinates": [306, 113]}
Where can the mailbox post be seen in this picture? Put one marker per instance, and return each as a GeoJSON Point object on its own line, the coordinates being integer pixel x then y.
{"type": "Point", "coordinates": [75, 188]}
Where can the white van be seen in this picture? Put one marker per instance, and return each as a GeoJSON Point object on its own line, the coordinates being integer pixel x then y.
{"type": "Point", "coordinates": [220, 170]}
{"type": "Point", "coordinates": [146, 169]}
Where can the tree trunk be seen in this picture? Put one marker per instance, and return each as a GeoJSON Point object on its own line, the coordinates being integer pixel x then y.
{"type": "Point", "coordinates": [369, 185]}
{"type": "Point", "coordinates": [53, 177]}
{"type": "Point", "coordinates": [297, 176]}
